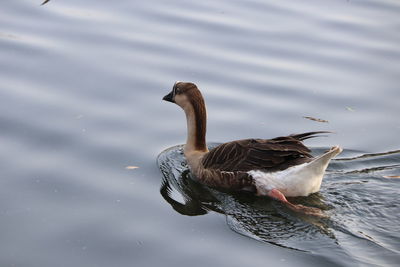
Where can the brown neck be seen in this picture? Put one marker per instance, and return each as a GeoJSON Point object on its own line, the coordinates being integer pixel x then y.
{"type": "Point", "coordinates": [196, 117]}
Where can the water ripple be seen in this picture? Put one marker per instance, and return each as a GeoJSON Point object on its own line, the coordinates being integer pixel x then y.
{"type": "Point", "coordinates": [81, 88]}
{"type": "Point", "coordinates": [359, 204]}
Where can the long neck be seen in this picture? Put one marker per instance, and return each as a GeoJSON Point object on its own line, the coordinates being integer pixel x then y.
{"type": "Point", "coordinates": [196, 118]}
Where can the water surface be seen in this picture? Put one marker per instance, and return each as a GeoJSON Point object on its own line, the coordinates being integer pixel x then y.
{"type": "Point", "coordinates": [359, 208]}
{"type": "Point", "coordinates": [81, 84]}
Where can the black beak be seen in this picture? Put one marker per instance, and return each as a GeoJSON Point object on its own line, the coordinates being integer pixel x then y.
{"type": "Point", "coordinates": [169, 97]}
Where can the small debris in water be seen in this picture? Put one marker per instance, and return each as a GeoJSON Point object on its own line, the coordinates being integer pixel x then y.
{"type": "Point", "coordinates": [131, 167]}
{"type": "Point", "coordinates": [315, 119]}
{"type": "Point", "coordinates": [391, 176]}
{"type": "Point", "coordinates": [367, 236]}
{"type": "Point", "coordinates": [350, 109]}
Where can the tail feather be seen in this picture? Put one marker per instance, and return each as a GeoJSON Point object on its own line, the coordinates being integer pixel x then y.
{"type": "Point", "coordinates": [324, 159]}
{"type": "Point", "coordinates": [308, 135]}
{"type": "Point", "coordinates": [299, 180]}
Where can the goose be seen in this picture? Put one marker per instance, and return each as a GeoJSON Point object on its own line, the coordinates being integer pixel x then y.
{"type": "Point", "coordinates": [278, 168]}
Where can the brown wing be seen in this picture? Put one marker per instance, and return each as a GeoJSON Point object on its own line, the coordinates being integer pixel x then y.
{"type": "Point", "coordinates": [259, 154]}
{"type": "Point", "coordinates": [230, 180]}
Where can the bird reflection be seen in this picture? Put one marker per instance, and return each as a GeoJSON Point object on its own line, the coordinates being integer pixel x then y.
{"type": "Point", "coordinates": [260, 218]}
{"type": "Point", "coordinates": [192, 205]}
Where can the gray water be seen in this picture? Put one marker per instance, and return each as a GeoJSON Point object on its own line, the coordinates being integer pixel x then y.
{"type": "Point", "coordinates": [81, 84]}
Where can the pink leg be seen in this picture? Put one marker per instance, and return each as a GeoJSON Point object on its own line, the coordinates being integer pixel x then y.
{"type": "Point", "coordinates": [276, 194]}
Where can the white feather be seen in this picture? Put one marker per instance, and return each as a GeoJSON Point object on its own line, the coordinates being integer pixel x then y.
{"type": "Point", "coordinates": [299, 180]}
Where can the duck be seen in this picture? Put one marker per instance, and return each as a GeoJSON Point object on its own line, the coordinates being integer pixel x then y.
{"type": "Point", "coordinates": [278, 168]}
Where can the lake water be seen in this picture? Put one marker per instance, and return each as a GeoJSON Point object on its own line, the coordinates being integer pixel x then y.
{"type": "Point", "coordinates": [81, 84]}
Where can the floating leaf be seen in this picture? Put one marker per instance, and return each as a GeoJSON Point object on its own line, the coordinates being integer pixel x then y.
{"type": "Point", "coordinates": [350, 109]}
{"type": "Point", "coordinates": [391, 176]}
{"type": "Point", "coordinates": [315, 119]}
{"type": "Point", "coordinates": [131, 167]}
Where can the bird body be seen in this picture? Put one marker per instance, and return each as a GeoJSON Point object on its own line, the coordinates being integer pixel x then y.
{"type": "Point", "coordinates": [277, 167]}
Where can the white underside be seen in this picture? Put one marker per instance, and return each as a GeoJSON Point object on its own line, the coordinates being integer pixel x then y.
{"type": "Point", "coordinates": [299, 180]}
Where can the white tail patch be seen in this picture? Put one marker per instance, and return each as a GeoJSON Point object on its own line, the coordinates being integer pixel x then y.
{"type": "Point", "coordinates": [299, 180]}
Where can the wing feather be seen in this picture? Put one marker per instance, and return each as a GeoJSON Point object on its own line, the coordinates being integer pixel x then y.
{"type": "Point", "coordinates": [260, 154]}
